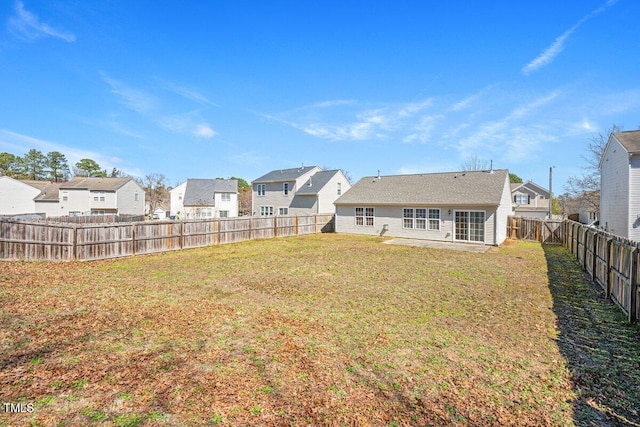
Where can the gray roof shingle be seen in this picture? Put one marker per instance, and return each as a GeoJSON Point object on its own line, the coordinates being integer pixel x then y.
{"type": "Point", "coordinates": [450, 188]}
{"type": "Point", "coordinates": [317, 181]}
{"type": "Point", "coordinates": [95, 184]}
{"type": "Point", "coordinates": [629, 139]}
{"type": "Point", "coordinates": [200, 192]}
{"type": "Point", "coordinates": [281, 175]}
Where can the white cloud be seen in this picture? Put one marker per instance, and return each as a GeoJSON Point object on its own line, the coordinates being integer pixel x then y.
{"type": "Point", "coordinates": [204, 131]}
{"type": "Point", "coordinates": [135, 99]}
{"type": "Point", "coordinates": [187, 92]}
{"type": "Point", "coordinates": [27, 25]}
{"type": "Point", "coordinates": [557, 46]}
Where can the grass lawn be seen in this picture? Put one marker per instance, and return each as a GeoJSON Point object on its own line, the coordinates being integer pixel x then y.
{"type": "Point", "coordinates": [316, 330]}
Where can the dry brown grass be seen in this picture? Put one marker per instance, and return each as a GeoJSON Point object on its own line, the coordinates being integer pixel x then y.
{"type": "Point", "coordinates": [315, 330]}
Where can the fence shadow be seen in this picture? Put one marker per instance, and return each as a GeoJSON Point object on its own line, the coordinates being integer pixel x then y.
{"type": "Point", "coordinates": [601, 349]}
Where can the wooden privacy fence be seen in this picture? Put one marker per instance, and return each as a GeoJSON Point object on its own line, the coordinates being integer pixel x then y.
{"type": "Point", "coordinates": [539, 230]}
{"type": "Point", "coordinates": [612, 262]}
{"type": "Point", "coordinates": [66, 242]}
{"type": "Point", "coordinates": [94, 219]}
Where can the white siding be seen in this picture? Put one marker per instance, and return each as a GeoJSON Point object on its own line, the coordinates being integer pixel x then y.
{"type": "Point", "coordinates": [16, 197]}
{"type": "Point", "coordinates": [274, 195]}
{"type": "Point", "coordinates": [502, 214]}
{"type": "Point", "coordinates": [634, 199]}
{"type": "Point", "coordinates": [231, 206]}
{"type": "Point", "coordinates": [614, 192]}
{"type": "Point", "coordinates": [329, 193]}
{"type": "Point", "coordinates": [177, 198]}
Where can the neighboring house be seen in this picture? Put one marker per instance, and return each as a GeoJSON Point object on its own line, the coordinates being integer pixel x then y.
{"type": "Point", "coordinates": [205, 198]}
{"type": "Point", "coordinates": [530, 200]}
{"type": "Point", "coordinates": [159, 213]}
{"type": "Point", "coordinates": [80, 196]}
{"type": "Point", "coordinates": [298, 191]}
{"type": "Point", "coordinates": [17, 196]}
{"type": "Point", "coordinates": [587, 212]}
{"type": "Point", "coordinates": [453, 206]}
{"type": "Point", "coordinates": [620, 185]}
{"type": "Point", "coordinates": [99, 196]}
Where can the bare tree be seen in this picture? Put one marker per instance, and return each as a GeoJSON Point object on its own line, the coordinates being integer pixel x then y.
{"type": "Point", "coordinates": [586, 187]}
{"type": "Point", "coordinates": [474, 163]}
{"type": "Point", "coordinates": [155, 189]}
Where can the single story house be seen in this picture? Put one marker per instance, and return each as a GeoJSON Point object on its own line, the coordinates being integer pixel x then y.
{"type": "Point", "coordinates": [453, 206]}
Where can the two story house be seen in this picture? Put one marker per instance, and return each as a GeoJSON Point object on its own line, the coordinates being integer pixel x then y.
{"type": "Point", "coordinates": [298, 191]}
{"type": "Point", "coordinates": [79, 196]}
{"type": "Point", "coordinates": [530, 200]}
{"type": "Point", "coordinates": [205, 198]}
{"type": "Point", "coordinates": [620, 185]}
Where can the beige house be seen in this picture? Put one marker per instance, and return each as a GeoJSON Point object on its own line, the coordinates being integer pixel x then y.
{"type": "Point", "coordinates": [298, 191]}
{"type": "Point", "coordinates": [453, 206]}
{"type": "Point", "coordinates": [530, 200]}
{"type": "Point", "coordinates": [80, 196]}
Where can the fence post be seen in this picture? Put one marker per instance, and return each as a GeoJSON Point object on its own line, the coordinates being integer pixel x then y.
{"type": "Point", "coordinates": [594, 270]}
{"type": "Point", "coordinates": [609, 258]}
{"type": "Point", "coordinates": [275, 226]}
{"type": "Point", "coordinates": [295, 224]}
{"type": "Point", "coordinates": [74, 241]}
{"type": "Point", "coordinates": [133, 239]}
{"type": "Point", "coordinates": [633, 286]}
{"type": "Point", "coordinates": [250, 229]}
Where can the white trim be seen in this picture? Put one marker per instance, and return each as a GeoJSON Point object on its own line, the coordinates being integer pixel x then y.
{"type": "Point", "coordinates": [453, 228]}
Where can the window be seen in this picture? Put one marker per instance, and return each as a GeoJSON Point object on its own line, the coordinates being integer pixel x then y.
{"type": "Point", "coordinates": [283, 211]}
{"type": "Point", "coordinates": [434, 219]}
{"type": "Point", "coordinates": [266, 210]}
{"type": "Point", "coordinates": [417, 218]}
{"type": "Point", "coordinates": [225, 197]}
{"type": "Point", "coordinates": [179, 196]}
{"type": "Point", "coordinates": [364, 216]}
{"type": "Point", "coordinates": [206, 213]}
{"type": "Point", "coordinates": [65, 196]}
{"type": "Point", "coordinates": [98, 196]}
{"type": "Point", "coordinates": [74, 213]}
{"type": "Point", "coordinates": [285, 188]}
{"type": "Point", "coordinates": [136, 197]}
{"type": "Point", "coordinates": [224, 214]}
{"type": "Point", "coordinates": [521, 199]}
{"type": "Point", "coordinates": [97, 212]}
{"type": "Point", "coordinates": [339, 188]}
{"type": "Point", "coordinates": [407, 218]}
{"type": "Point", "coordinates": [262, 189]}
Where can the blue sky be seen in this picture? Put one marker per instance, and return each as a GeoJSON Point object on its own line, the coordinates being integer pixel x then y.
{"type": "Point", "coordinates": [199, 89]}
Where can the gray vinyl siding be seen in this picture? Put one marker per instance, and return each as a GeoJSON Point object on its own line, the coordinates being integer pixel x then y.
{"type": "Point", "coordinates": [274, 196]}
{"type": "Point", "coordinates": [614, 194]}
{"type": "Point", "coordinates": [634, 199]}
{"type": "Point", "coordinates": [392, 216]}
{"type": "Point", "coordinates": [125, 202]}
{"type": "Point", "coordinates": [303, 205]}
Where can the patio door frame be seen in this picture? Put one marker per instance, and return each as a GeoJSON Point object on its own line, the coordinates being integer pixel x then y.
{"type": "Point", "coordinates": [468, 225]}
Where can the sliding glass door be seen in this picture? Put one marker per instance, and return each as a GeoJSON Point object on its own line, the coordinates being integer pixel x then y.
{"type": "Point", "coordinates": [469, 226]}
